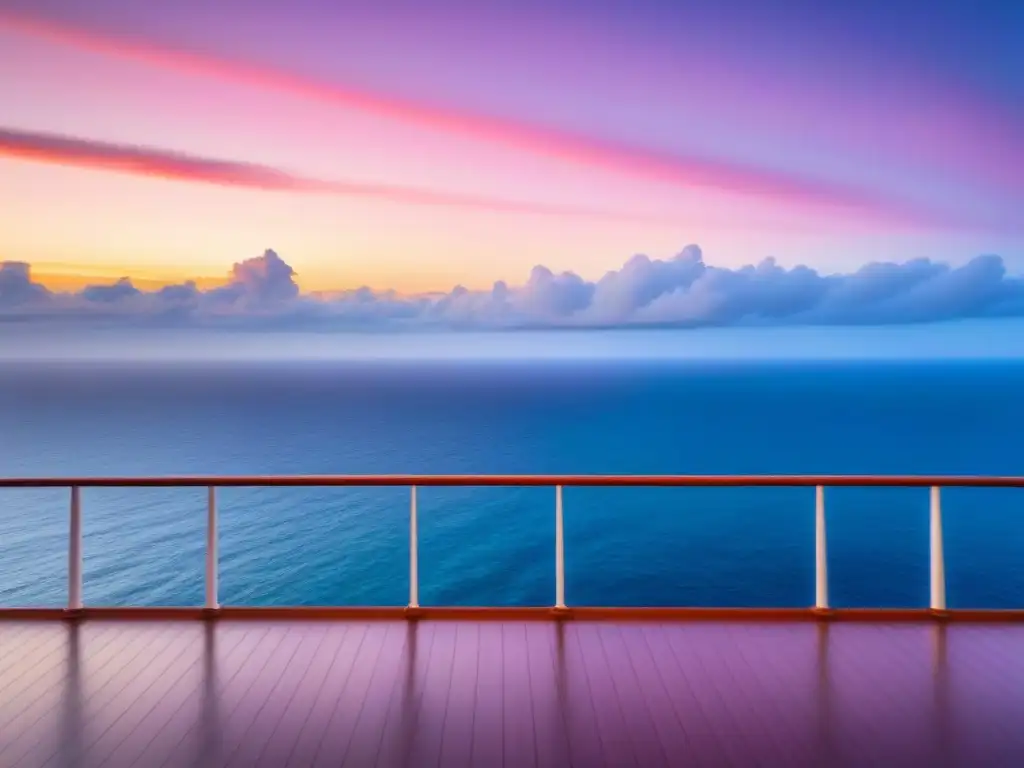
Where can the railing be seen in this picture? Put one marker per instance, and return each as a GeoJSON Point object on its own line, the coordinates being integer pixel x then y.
{"type": "Point", "coordinates": [558, 482]}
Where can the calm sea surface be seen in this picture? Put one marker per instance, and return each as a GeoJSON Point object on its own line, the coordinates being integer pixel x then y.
{"type": "Point", "coordinates": [750, 547]}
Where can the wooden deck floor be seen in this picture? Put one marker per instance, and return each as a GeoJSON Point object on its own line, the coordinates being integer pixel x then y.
{"type": "Point", "coordinates": [437, 693]}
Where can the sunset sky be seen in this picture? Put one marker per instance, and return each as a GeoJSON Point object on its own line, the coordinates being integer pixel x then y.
{"type": "Point", "coordinates": [380, 144]}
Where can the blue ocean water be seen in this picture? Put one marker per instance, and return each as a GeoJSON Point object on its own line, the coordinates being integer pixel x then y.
{"type": "Point", "coordinates": [737, 547]}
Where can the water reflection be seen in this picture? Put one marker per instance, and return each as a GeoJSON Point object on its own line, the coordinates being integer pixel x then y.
{"type": "Point", "coordinates": [826, 746]}
{"type": "Point", "coordinates": [410, 693]}
{"type": "Point", "coordinates": [209, 741]}
{"type": "Point", "coordinates": [71, 731]}
{"type": "Point", "coordinates": [945, 744]}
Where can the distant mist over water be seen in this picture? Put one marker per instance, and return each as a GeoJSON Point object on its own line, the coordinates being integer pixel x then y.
{"type": "Point", "coordinates": [964, 339]}
{"type": "Point", "coordinates": [493, 546]}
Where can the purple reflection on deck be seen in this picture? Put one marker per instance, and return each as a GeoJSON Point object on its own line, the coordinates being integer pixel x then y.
{"type": "Point", "coordinates": [516, 694]}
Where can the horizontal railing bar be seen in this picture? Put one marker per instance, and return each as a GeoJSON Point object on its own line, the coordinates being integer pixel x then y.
{"type": "Point", "coordinates": [512, 613]}
{"type": "Point", "coordinates": [649, 481]}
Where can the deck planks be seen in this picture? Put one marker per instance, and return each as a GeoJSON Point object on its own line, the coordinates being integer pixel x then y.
{"type": "Point", "coordinates": [103, 693]}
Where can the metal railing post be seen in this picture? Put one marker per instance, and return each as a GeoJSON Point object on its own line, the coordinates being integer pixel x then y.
{"type": "Point", "coordinates": [820, 551]}
{"type": "Point", "coordinates": [938, 565]}
{"type": "Point", "coordinates": [75, 551]}
{"type": "Point", "coordinates": [211, 550]}
{"type": "Point", "coordinates": [414, 576]}
{"type": "Point", "coordinates": [559, 551]}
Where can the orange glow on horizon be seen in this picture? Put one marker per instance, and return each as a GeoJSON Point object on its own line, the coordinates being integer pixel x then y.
{"type": "Point", "coordinates": [60, 280]}
{"type": "Point", "coordinates": [73, 277]}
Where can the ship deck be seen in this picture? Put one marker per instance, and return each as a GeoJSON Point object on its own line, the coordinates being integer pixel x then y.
{"type": "Point", "coordinates": [394, 692]}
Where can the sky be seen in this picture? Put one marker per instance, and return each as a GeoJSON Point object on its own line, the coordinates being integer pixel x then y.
{"type": "Point", "coordinates": [384, 148]}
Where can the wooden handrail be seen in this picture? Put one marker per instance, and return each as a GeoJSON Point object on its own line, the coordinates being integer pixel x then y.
{"type": "Point", "coordinates": [660, 481]}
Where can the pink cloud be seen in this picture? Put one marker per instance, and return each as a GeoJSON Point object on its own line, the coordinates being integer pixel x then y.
{"type": "Point", "coordinates": [178, 166]}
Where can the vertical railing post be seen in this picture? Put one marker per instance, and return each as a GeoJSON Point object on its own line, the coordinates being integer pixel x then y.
{"type": "Point", "coordinates": [212, 603]}
{"type": "Point", "coordinates": [75, 551]}
{"type": "Point", "coordinates": [820, 551]}
{"type": "Point", "coordinates": [414, 576]}
{"type": "Point", "coordinates": [559, 551]}
{"type": "Point", "coordinates": [938, 564]}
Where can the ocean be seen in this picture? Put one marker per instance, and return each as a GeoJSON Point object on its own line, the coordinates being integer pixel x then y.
{"type": "Point", "coordinates": [494, 546]}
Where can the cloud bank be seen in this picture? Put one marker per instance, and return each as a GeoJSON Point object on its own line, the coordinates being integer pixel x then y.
{"type": "Point", "coordinates": [683, 291]}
